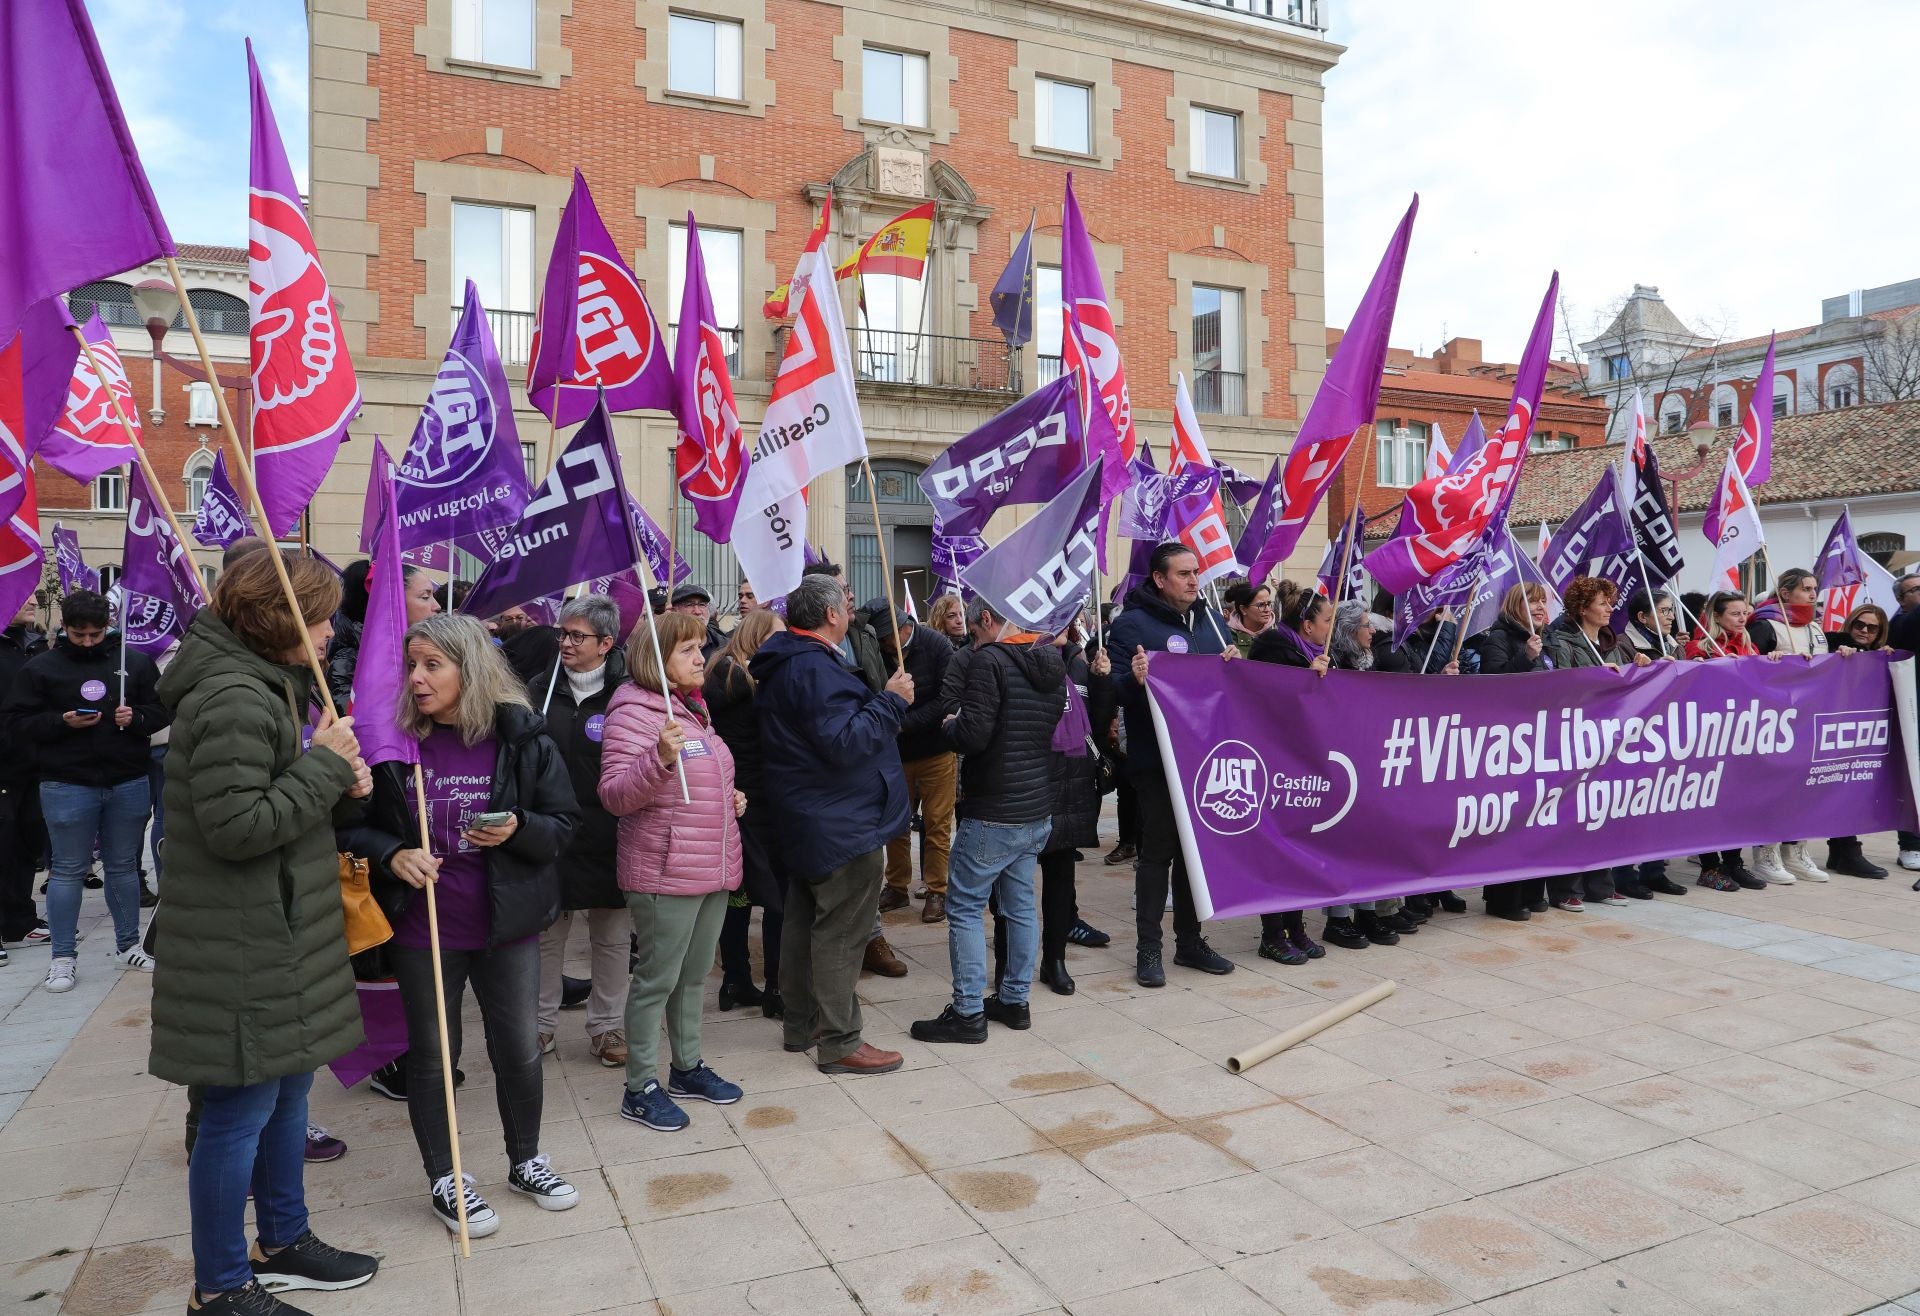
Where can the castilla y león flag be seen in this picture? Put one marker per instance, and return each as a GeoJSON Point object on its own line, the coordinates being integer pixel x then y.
{"type": "Point", "coordinates": [304, 390]}
{"type": "Point", "coordinates": [594, 329]}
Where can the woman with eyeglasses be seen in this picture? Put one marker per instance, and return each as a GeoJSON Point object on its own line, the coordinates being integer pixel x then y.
{"type": "Point", "coordinates": [1250, 611]}
{"type": "Point", "coordinates": [1866, 628]}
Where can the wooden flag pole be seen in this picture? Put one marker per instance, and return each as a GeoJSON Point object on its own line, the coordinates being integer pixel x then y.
{"type": "Point", "coordinates": [245, 463]}
{"type": "Point", "coordinates": [653, 635]}
{"type": "Point", "coordinates": [886, 572]}
{"type": "Point", "coordinates": [440, 1012]}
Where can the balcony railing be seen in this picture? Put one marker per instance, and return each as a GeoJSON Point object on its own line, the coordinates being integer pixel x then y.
{"type": "Point", "coordinates": [1049, 369]}
{"type": "Point", "coordinates": [1302, 13]}
{"type": "Point", "coordinates": [734, 340]}
{"type": "Point", "coordinates": [512, 334]}
{"type": "Point", "coordinates": [1219, 393]}
{"type": "Point", "coordinates": [896, 356]}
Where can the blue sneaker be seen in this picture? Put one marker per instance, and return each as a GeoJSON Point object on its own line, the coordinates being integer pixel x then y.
{"type": "Point", "coordinates": [702, 1084]}
{"type": "Point", "coordinates": [653, 1108]}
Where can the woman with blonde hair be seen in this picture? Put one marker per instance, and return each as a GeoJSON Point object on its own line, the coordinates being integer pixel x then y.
{"type": "Point", "coordinates": [947, 615]}
{"type": "Point", "coordinates": [679, 856]}
{"type": "Point", "coordinates": [729, 691]}
{"type": "Point", "coordinates": [1516, 642]}
{"type": "Point", "coordinates": [500, 811]}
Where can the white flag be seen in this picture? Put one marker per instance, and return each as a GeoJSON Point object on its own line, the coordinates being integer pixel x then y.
{"type": "Point", "coordinates": [1740, 533]}
{"type": "Point", "coordinates": [1206, 534]}
{"type": "Point", "coordinates": [1438, 455]}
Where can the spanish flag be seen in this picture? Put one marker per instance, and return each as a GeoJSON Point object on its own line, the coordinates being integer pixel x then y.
{"type": "Point", "coordinates": [900, 247]}
{"type": "Point", "coordinates": [775, 307]}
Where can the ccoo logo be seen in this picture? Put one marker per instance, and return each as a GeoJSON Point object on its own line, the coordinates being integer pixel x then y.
{"type": "Point", "coordinates": [1227, 788]}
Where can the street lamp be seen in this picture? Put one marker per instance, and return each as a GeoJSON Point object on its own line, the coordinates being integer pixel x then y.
{"type": "Point", "coordinates": [157, 303]}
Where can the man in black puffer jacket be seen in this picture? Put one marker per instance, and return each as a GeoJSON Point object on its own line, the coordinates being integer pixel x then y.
{"type": "Point", "coordinates": [22, 834]}
{"type": "Point", "coordinates": [1003, 731]}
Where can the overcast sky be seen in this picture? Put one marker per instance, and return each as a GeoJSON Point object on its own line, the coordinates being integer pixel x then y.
{"type": "Point", "coordinates": [1747, 158]}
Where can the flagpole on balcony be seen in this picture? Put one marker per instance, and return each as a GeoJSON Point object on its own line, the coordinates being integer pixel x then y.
{"type": "Point", "coordinates": [926, 298]}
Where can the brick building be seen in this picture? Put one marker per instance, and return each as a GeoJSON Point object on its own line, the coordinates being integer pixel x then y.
{"type": "Point", "coordinates": [445, 135]}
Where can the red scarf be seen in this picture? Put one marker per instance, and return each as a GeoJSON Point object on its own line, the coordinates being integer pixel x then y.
{"type": "Point", "coordinates": [1800, 614]}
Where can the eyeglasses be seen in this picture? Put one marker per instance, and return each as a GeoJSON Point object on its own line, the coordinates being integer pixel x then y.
{"type": "Point", "coordinates": [580, 637]}
{"type": "Point", "coordinates": [1261, 607]}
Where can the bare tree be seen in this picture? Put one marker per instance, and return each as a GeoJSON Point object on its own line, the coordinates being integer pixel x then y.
{"type": "Point", "coordinates": [1691, 373]}
{"type": "Point", "coordinates": [1891, 355]}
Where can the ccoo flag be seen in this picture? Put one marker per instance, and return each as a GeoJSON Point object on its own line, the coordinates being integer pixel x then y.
{"type": "Point", "coordinates": [75, 205]}
{"type": "Point", "coordinates": [1733, 524]}
{"type": "Point", "coordinates": [161, 584]}
{"type": "Point", "coordinates": [1026, 454]}
{"type": "Point", "coordinates": [576, 527]}
{"type": "Point", "coordinates": [1594, 541]}
{"type": "Point", "coordinates": [380, 676]}
{"type": "Point", "coordinates": [1041, 575]}
{"type": "Point", "coordinates": [222, 518]}
{"type": "Point", "coordinates": [304, 390]}
{"type": "Point", "coordinates": [88, 439]}
{"type": "Point", "coordinates": [463, 473]}
{"type": "Point", "coordinates": [710, 456]}
{"type": "Point", "coordinates": [1841, 562]}
{"type": "Point", "coordinates": [593, 328]}
{"type": "Point", "coordinates": [1197, 520]}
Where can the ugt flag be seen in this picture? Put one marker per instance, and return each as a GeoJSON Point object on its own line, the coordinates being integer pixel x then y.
{"type": "Point", "coordinates": [710, 456]}
{"type": "Point", "coordinates": [593, 328]}
{"type": "Point", "coordinates": [160, 581]}
{"type": "Point", "coordinates": [21, 553]}
{"type": "Point", "coordinates": [464, 473]}
{"type": "Point", "coordinates": [1733, 524]}
{"type": "Point", "coordinates": [1345, 401]}
{"type": "Point", "coordinates": [1753, 447]}
{"type": "Point", "coordinates": [88, 437]}
{"type": "Point", "coordinates": [74, 571]}
{"type": "Point", "coordinates": [1198, 520]}
{"type": "Point", "coordinates": [1090, 351]}
{"type": "Point", "coordinates": [380, 676]}
{"type": "Point", "coordinates": [304, 390]}
{"type": "Point", "coordinates": [1041, 575]}
{"type": "Point", "coordinates": [1452, 513]}
{"type": "Point", "coordinates": [1026, 454]}
{"type": "Point", "coordinates": [1344, 548]}
{"type": "Point", "coordinates": [654, 547]}
{"type": "Point", "coordinates": [76, 204]}
{"type": "Point", "coordinates": [576, 527]}
{"type": "Point", "coordinates": [35, 369]}
{"type": "Point", "coordinates": [222, 518]}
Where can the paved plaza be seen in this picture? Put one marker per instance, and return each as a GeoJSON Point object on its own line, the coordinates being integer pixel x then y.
{"type": "Point", "coordinates": [1704, 1104]}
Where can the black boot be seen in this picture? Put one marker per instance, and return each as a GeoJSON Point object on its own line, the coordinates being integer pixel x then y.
{"type": "Point", "coordinates": [951, 1026]}
{"type": "Point", "coordinates": [1849, 860]}
{"type": "Point", "coordinates": [1375, 928]}
{"type": "Point", "coordinates": [1451, 903]}
{"type": "Point", "coordinates": [738, 993]}
{"type": "Point", "coordinates": [771, 1006]}
{"type": "Point", "coordinates": [1053, 972]}
{"type": "Point", "coordinates": [1420, 907]}
{"type": "Point", "coordinates": [1342, 932]}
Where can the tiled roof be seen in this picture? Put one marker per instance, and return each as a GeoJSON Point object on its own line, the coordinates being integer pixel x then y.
{"type": "Point", "coordinates": [204, 254]}
{"type": "Point", "coordinates": [1759, 341]}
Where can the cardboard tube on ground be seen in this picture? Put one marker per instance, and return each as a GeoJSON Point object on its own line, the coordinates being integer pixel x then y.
{"type": "Point", "coordinates": [1240, 1062]}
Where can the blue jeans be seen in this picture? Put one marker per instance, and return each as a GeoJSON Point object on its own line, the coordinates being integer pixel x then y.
{"type": "Point", "coordinates": [78, 817]}
{"type": "Point", "coordinates": [250, 1137]}
{"type": "Point", "coordinates": [156, 778]}
{"type": "Point", "coordinates": [992, 859]}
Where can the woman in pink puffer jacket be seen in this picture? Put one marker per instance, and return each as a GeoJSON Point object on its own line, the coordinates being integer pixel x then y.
{"type": "Point", "coordinates": [676, 862]}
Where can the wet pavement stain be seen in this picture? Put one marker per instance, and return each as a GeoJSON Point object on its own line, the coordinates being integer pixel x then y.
{"type": "Point", "coordinates": [1362, 1293]}
{"type": "Point", "coordinates": [676, 1192]}
{"type": "Point", "coordinates": [1059, 1080]}
{"type": "Point", "coordinates": [995, 1190]}
{"type": "Point", "coordinates": [770, 1117]}
{"type": "Point", "coordinates": [126, 1280]}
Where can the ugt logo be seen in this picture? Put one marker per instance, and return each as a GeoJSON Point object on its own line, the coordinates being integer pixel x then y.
{"type": "Point", "coordinates": [712, 470]}
{"type": "Point", "coordinates": [303, 383]}
{"type": "Point", "coordinates": [456, 427]}
{"type": "Point", "coordinates": [614, 338]}
{"type": "Point", "coordinates": [1227, 788]}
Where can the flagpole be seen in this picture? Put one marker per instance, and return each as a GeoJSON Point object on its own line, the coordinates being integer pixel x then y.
{"type": "Point", "coordinates": [440, 1013]}
{"type": "Point", "coordinates": [653, 634]}
{"type": "Point", "coordinates": [1026, 298]}
{"type": "Point", "coordinates": [1346, 555]}
{"type": "Point", "coordinates": [253, 489]}
{"type": "Point", "coordinates": [933, 242]}
{"type": "Point", "coordinates": [886, 572]}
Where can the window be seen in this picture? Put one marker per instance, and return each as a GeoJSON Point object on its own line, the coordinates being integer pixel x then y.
{"type": "Point", "coordinates": [112, 301]}
{"type": "Point", "coordinates": [1723, 415]}
{"type": "Point", "coordinates": [1215, 142]}
{"type": "Point", "coordinates": [529, 457]}
{"type": "Point", "coordinates": [1673, 415]}
{"type": "Point", "coordinates": [892, 346]}
{"type": "Point", "coordinates": [1726, 405]}
{"type": "Point", "coordinates": [720, 249]}
{"type": "Point", "coordinates": [109, 577]}
{"type": "Point", "coordinates": [494, 32]}
{"type": "Point", "coordinates": [1401, 454]}
{"type": "Point", "coordinates": [1049, 314]}
{"type": "Point", "coordinates": [1619, 366]}
{"type": "Point", "coordinates": [703, 57]}
{"type": "Point", "coordinates": [1542, 441]}
{"type": "Point", "coordinates": [199, 471]}
{"type": "Point", "coordinates": [493, 246]}
{"type": "Point", "coordinates": [1843, 387]}
{"type": "Point", "coordinates": [202, 407]}
{"type": "Point", "coordinates": [1063, 116]}
{"type": "Point", "coordinates": [1882, 545]}
{"type": "Point", "coordinates": [217, 312]}
{"type": "Point", "coordinates": [1782, 397]}
{"type": "Point", "coordinates": [110, 492]}
{"type": "Point", "coordinates": [893, 87]}
{"type": "Point", "coordinates": [1219, 363]}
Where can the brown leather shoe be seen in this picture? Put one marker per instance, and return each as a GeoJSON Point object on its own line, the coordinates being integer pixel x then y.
{"type": "Point", "coordinates": [881, 960]}
{"type": "Point", "coordinates": [869, 1059]}
{"type": "Point", "coordinates": [935, 910]}
{"type": "Point", "coordinates": [891, 899]}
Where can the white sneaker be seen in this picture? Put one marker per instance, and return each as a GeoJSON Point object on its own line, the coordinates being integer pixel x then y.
{"type": "Point", "coordinates": [1796, 860]}
{"type": "Point", "coordinates": [60, 975]}
{"type": "Point", "coordinates": [1910, 860]}
{"type": "Point", "coordinates": [134, 958]}
{"type": "Point", "coordinates": [1767, 865]}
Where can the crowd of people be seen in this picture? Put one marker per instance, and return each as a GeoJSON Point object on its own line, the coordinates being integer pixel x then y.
{"type": "Point", "coordinates": [652, 795]}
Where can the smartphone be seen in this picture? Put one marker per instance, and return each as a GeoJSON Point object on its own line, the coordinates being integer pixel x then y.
{"type": "Point", "coordinates": [86, 712]}
{"type": "Point", "coordinates": [480, 820]}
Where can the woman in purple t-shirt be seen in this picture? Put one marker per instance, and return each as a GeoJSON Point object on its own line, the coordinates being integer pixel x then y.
{"type": "Point", "coordinates": [500, 808]}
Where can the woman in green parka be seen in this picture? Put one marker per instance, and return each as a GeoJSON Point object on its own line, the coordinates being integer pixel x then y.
{"type": "Point", "coordinates": [259, 994]}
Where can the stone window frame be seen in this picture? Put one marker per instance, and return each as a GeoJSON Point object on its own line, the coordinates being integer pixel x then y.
{"type": "Point", "coordinates": [1190, 91]}
{"type": "Point", "coordinates": [1033, 61]}
{"type": "Point", "coordinates": [440, 184]}
{"type": "Point", "coordinates": [1251, 279]}
{"type": "Point", "coordinates": [660, 207]}
{"type": "Point", "coordinates": [861, 28]}
{"type": "Point", "coordinates": [757, 41]}
{"type": "Point", "coordinates": [552, 61]}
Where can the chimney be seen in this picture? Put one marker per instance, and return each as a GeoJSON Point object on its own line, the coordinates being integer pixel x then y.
{"type": "Point", "coordinates": [1457, 356]}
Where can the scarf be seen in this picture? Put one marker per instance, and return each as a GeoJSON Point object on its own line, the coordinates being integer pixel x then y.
{"type": "Point", "coordinates": [1307, 646]}
{"type": "Point", "coordinates": [1800, 614]}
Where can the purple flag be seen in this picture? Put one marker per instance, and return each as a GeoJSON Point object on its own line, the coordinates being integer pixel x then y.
{"type": "Point", "coordinates": [1753, 446]}
{"type": "Point", "coordinates": [35, 371]}
{"type": "Point", "coordinates": [464, 472]}
{"type": "Point", "coordinates": [1654, 532]}
{"type": "Point", "coordinates": [74, 571]}
{"type": "Point", "coordinates": [811, 555]}
{"type": "Point", "coordinates": [1090, 355]}
{"type": "Point", "coordinates": [576, 527]}
{"type": "Point", "coordinates": [710, 456]}
{"type": "Point", "coordinates": [74, 202]}
{"type": "Point", "coordinates": [222, 517]}
{"type": "Point", "coordinates": [594, 329]}
{"type": "Point", "coordinates": [161, 583]}
{"type": "Point", "coordinates": [1237, 484]}
{"type": "Point", "coordinates": [1594, 541]}
{"type": "Point", "coordinates": [1012, 295]}
{"type": "Point", "coordinates": [1293, 792]}
{"type": "Point", "coordinates": [1457, 586]}
{"type": "Point", "coordinates": [1841, 561]}
{"type": "Point", "coordinates": [1142, 513]}
{"type": "Point", "coordinates": [1026, 454]}
{"type": "Point", "coordinates": [380, 677]}
{"type": "Point", "coordinates": [653, 546]}
{"type": "Point", "coordinates": [953, 554]}
{"type": "Point", "coordinates": [629, 594]}
{"type": "Point", "coordinates": [1039, 576]}
{"type": "Point", "coordinates": [88, 438]}
{"type": "Point", "coordinates": [1471, 442]}
{"type": "Point", "coordinates": [1073, 730]}
{"type": "Point", "coordinates": [1344, 547]}
{"type": "Point", "coordinates": [1345, 402]}
{"type": "Point", "coordinates": [384, 1021]}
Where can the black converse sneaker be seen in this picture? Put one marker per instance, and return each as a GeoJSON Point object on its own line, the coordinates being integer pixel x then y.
{"type": "Point", "coordinates": [481, 1221]}
{"type": "Point", "coordinates": [307, 1263]}
{"type": "Point", "coordinates": [536, 1179]}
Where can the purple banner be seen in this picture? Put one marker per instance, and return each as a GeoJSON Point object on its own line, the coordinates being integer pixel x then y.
{"type": "Point", "coordinates": [74, 571]}
{"type": "Point", "coordinates": [1026, 454]}
{"type": "Point", "coordinates": [380, 676]}
{"type": "Point", "coordinates": [1041, 574]}
{"type": "Point", "coordinates": [384, 1020]}
{"type": "Point", "coordinates": [161, 584]}
{"type": "Point", "coordinates": [1293, 792]}
{"type": "Point", "coordinates": [222, 517]}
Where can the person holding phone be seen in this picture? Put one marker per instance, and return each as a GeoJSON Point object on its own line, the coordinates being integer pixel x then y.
{"type": "Point", "coordinates": [90, 749]}
{"type": "Point", "coordinates": [500, 811]}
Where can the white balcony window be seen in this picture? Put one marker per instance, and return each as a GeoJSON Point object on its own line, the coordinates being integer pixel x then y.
{"type": "Point", "coordinates": [494, 32]}
{"type": "Point", "coordinates": [199, 472]}
{"type": "Point", "coordinates": [110, 491]}
{"type": "Point", "coordinates": [1063, 116]}
{"type": "Point", "coordinates": [1401, 458]}
{"type": "Point", "coordinates": [202, 407]}
{"type": "Point", "coordinates": [893, 87]}
{"type": "Point", "coordinates": [720, 249]}
{"type": "Point", "coordinates": [703, 57]}
{"type": "Point", "coordinates": [1215, 142]}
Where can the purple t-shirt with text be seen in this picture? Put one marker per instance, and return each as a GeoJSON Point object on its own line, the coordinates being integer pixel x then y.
{"type": "Point", "coordinates": [459, 781]}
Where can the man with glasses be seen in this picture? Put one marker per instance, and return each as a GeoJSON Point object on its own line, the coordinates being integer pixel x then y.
{"type": "Point", "coordinates": [590, 670]}
{"type": "Point", "coordinates": [698, 604]}
{"type": "Point", "coordinates": [90, 748]}
{"type": "Point", "coordinates": [1904, 633]}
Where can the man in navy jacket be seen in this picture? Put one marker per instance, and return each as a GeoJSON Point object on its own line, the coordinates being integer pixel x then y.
{"type": "Point", "coordinates": [833, 781]}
